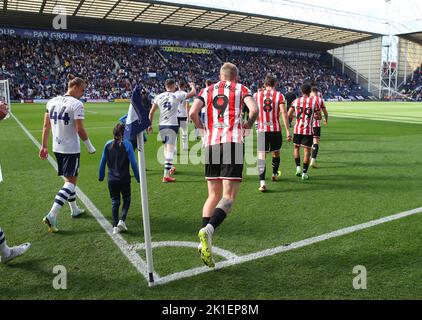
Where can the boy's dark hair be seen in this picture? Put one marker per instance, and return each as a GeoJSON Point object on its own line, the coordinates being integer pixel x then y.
{"type": "Point", "coordinates": [306, 89]}
{"type": "Point", "coordinates": [270, 81]}
{"type": "Point", "coordinates": [315, 89]}
{"type": "Point", "coordinates": [118, 132]}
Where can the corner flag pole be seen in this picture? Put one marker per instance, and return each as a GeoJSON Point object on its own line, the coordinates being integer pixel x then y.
{"type": "Point", "coordinates": [145, 208]}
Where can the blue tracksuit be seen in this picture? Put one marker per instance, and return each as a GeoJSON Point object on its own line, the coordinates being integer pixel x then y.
{"type": "Point", "coordinates": [117, 159]}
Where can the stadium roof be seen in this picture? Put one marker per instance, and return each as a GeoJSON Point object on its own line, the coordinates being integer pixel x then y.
{"type": "Point", "coordinates": [196, 17]}
{"type": "Point", "coordinates": [415, 37]}
{"type": "Point", "coordinates": [379, 16]}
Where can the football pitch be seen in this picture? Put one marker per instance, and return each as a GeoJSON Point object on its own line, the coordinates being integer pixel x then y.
{"type": "Point", "coordinates": [370, 168]}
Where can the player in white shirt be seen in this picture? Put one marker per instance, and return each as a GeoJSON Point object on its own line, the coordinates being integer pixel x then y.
{"type": "Point", "coordinates": [9, 253]}
{"type": "Point", "coordinates": [168, 103]}
{"type": "Point", "coordinates": [182, 117]}
{"type": "Point", "coordinates": [198, 133]}
{"type": "Point", "coordinates": [64, 117]}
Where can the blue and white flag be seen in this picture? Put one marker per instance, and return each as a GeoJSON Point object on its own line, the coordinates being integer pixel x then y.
{"type": "Point", "coordinates": [137, 121]}
{"type": "Point", "coordinates": [137, 118]}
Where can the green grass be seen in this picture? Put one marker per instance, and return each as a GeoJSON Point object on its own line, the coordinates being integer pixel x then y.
{"type": "Point", "coordinates": [369, 169]}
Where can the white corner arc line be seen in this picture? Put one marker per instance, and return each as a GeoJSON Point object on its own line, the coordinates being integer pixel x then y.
{"type": "Point", "coordinates": [121, 243]}
{"type": "Point", "coordinates": [281, 249]}
{"type": "Point", "coordinates": [184, 244]}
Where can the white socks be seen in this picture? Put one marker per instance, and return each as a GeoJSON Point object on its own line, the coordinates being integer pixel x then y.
{"type": "Point", "coordinates": [4, 249]}
{"type": "Point", "coordinates": [72, 202]}
{"type": "Point", "coordinates": [184, 131]}
{"type": "Point", "coordinates": [62, 196]}
{"type": "Point", "coordinates": [167, 167]}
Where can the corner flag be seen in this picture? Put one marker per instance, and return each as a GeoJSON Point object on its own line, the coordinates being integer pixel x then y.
{"type": "Point", "coordinates": [138, 121]}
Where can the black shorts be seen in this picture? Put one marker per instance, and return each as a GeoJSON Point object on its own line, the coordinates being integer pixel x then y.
{"type": "Point", "coordinates": [224, 162]}
{"type": "Point", "coordinates": [169, 134]}
{"type": "Point", "coordinates": [317, 132]}
{"type": "Point", "coordinates": [68, 164]}
{"type": "Point", "coordinates": [303, 141]}
{"type": "Point", "coordinates": [269, 141]}
{"type": "Point", "coordinates": [182, 119]}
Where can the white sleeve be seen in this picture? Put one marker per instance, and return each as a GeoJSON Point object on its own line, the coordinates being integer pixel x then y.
{"type": "Point", "coordinates": [78, 111]}
{"type": "Point", "coordinates": [47, 110]}
{"type": "Point", "coordinates": [158, 100]}
{"type": "Point", "coordinates": [181, 96]}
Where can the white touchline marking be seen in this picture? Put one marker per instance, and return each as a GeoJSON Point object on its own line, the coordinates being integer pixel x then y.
{"type": "Point", "coordinates": [370, 118]}
{"type": "Point", "coordinates": [121, 243]}
{"type": "Point", "coordinates": [281, 249]}
{"type": "Point", "coordinates": [218, 251]}
{"type": "Point", "coordinates": [89, 111]}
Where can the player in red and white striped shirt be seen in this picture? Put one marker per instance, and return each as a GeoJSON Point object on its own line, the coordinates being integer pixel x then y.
{"type": "Point", "coordinates": [306, 109]}
{"type": "Point", "coordinates": [223, 122]}
{"type": "Point", "coordinates": [224, 132]}
{"type": "Point", "coordinates": [317, 125]}
{"type": "Point", "coordinates": [271, 104]}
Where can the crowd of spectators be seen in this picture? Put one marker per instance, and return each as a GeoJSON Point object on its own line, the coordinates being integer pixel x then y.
{"type": "Point", "coordinates": [293, 70]}
{"type": "Point", "coordinates": [192, 67]}
{"type": "Point", "coordinates": [413, 88]}
{"type": "Point", "coordinates": [37, 68]}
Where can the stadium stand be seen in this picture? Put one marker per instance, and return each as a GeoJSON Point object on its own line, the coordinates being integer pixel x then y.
{"type": "Point", "coordinates": [413, 88]}
{"type": "Point", "coordinates": [197, 67]}
{"type": "Point", "coordinates": [37, 68]}
{"type": "Point", "coordinates": [294, 70]}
